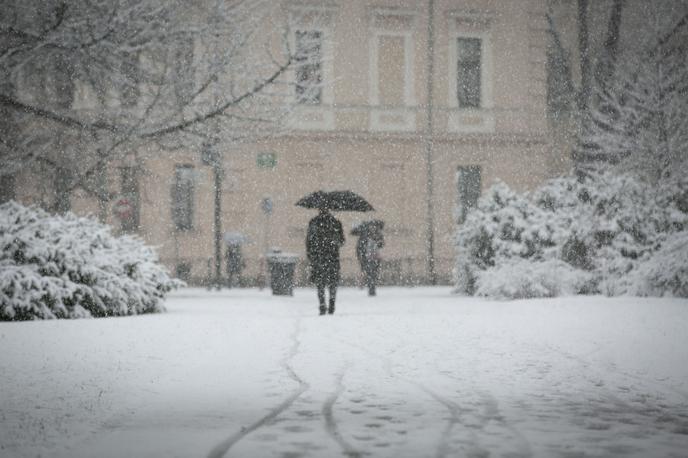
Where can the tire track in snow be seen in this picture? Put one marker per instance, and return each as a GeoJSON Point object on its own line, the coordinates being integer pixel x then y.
{"type": "Point", "coordinates": [331, 425]}
{"type": "Point", "coordinates": [454, 419]}
{"type": "Point", "coordinates": [221, 449]}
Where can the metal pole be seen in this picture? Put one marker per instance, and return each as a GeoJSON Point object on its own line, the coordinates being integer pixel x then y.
{"type": "Point", "coordinates": [266, 227]}
{"type": "Point", "coordinates": [430, 241]}
{"type": "Point", "coordinates": [218, 223]}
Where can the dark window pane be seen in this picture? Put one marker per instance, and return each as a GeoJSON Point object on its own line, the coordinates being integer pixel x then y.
{"type": "Point", "coordinates": [308, 67]}
{"type": "Point", "coordinates": [183, 197]}
{"type": "Point", "coordinates": [468, 72]}
{"type": "Point", "coordinates": [183, 271]}
{"type": "Point", "coordinates": [7, 188]}
{"type": "Point", "coordinates": [468, 180]}
{"type": "Point", "coordinates": [129, 200]}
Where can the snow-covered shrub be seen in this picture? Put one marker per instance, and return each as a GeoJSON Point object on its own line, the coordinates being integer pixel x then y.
{"type": "Point", "coordinates": [525, 278]}
{"type": "Point", "coordinates": [505, 225]}
{"type": "Point", "coordinates": [665, 272]}
{"type": "Point", "coordinates": [72, 267]}
{"type": "Point", "coordinates": [604, 228]}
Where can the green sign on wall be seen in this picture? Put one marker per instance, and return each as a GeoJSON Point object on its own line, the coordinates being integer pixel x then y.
{"type": "Point", "coordinates": [266, 160]}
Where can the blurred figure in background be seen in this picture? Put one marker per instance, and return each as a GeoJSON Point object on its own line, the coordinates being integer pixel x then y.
{"type": "Point", "coordinates": [368, 247]}
{"type": "Point", "coordinates": [235, 264]}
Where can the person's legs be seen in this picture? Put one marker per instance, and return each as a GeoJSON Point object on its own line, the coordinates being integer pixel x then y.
{"type": "Point", "coordinates": [374, 275]}
{"type": "Point", "coordinates": [333, 296]}
{"type": "Point", "coordinates": [363, 278]}
{"type": "Point", "coordinates": [321, 297]}
{"type": "Point", "coordinates": [370, 282]}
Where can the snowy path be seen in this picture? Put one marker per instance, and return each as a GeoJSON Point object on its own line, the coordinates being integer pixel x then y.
{"type": "Point", "coordinates": [411, 373]}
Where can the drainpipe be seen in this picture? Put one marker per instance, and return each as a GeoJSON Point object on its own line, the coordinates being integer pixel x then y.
{"type": "Point", "coordinates": [430, 219]}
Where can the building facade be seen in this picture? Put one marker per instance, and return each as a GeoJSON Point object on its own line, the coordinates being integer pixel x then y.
{"type": "Point", "coordinates": [416, 105]}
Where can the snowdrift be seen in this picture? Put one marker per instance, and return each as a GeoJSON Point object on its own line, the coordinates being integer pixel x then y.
{"type": "Point", "coordinates": [74, 267]}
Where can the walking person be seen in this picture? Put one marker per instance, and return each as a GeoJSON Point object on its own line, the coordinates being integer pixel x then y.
{"type": "Point", "coordinates": [368, 247]}
{"type": "Point", "coordinates": [325, 237]}
{"type": "Point", "coordinates": [235, 264]}
{"type": "Point", "coordinates": [323, 241]}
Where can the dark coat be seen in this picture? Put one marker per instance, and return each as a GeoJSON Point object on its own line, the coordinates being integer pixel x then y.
{"type": "Point", "coordinates": [235, 261]}
{"type": "Point", "coordinates": [324, 238]}
{"type": "Point", "coordinates": [368, 250]}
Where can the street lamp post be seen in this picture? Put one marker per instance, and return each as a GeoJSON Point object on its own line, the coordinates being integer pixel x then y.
{"type": "Point", "coordinates": [210, 156]}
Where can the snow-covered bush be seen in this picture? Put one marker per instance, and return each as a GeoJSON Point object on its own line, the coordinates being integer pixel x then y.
{"type": "Point", "coordinates": [665, 272]}
{"type": "Point", "coordinates": [605, 229]}
{"type": "Point", "coordinates": [525, 278]}
{"type": "Point", "coordinates": [72, 267]}
{"type": "Point", "coordinates": [505, 225]}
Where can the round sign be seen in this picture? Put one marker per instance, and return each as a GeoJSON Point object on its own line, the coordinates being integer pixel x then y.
{"type": "Point", "coordinates": [123, 208]}
{"type": "Point", "coordinates": [266, 205]}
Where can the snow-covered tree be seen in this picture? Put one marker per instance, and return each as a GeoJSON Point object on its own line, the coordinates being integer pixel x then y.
{"type": "Point", "coordinates": [88, 82]}
{"type": "Point", "coordinates": [505, 225]}
{"type": "Point", "coordinates": [599, 234]}
{"type": "Point", "coordinates": [639, 120]}
{"type": "Point", "coordinates": [72, 267]}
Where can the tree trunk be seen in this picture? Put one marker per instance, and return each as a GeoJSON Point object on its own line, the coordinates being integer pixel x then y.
{"type": "Point", "coordinates": [584, 52]}
{"type": "Point", "coordinates": [607, 64]}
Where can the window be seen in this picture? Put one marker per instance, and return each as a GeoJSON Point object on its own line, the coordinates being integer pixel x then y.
{"type": "Point", "coordinates": [129, 202]}
{"type": "Point", "coordinates": [7, 188]}
{"type": "Point", "coordinates": [183, 271]}
{"type": "Point", "coordinates": [468, 72]}
{"type": "Point", "coordinates": [391, 70]}
{"type": "Point", "coordinates": [183, 197]}
{"type": "Point", "coordinates": [62, 187]}
{"type": "Point", "coordinates": [309, 73]}
{"type": "Point", "coordinates": [468, 186]}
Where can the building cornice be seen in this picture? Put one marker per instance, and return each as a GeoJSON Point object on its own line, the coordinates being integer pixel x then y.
{"type": "Point", "coordinates": [495, 139]}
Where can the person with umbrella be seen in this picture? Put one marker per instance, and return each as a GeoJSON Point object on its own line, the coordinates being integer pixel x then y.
{"type": "Point", "coordinates": [325, 237]}
{"type": "Point", "coordinates": [370, 241]}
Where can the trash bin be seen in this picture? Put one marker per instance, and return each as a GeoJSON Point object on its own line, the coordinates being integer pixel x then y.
{"type": "Point", "coordinates": [282, 266]}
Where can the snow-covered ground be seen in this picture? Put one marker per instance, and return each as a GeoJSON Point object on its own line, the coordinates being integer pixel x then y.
{"type": "Point", "coordinates": [410, 373]}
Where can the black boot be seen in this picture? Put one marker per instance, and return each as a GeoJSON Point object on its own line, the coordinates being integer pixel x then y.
{"type": "Point", "coordinates": [322, 309]}
{"type": "Point", "coordinates": [331, 309]}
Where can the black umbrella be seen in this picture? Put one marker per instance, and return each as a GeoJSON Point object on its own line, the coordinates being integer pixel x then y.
{"type": "Point", "coordinates": [368, 226]}
{"type": "Point", "coordinates": [335, 200]}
